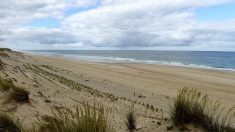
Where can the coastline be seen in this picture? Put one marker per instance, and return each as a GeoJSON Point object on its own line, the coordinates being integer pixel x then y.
{"type": "Point", "coordinates": [58, 83]}
{"type": "Point", "coordinates": [151, 79]}
{"type": "Point", "coordinates": [118, 60]}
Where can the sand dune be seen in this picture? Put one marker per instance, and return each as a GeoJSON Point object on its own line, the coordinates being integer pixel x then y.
{"type": "Point", "coordinates": [118, 86]}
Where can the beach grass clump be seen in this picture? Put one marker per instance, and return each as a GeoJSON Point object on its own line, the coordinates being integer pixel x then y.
{"type": "Point", "coordinates": [19, 95]}
{"type": "Point", "coordinates": [131, 120]}
{"type": "Point", "coordinates": [191, 106]}
{"type": "Point", "coordinates": [15, 93]}
{"type": "Point", "coordinates": [8, 124]}
{"type": "Point", "coordinates": [84, 119]}
{"type": "Point", "coordinates": [5, 85]}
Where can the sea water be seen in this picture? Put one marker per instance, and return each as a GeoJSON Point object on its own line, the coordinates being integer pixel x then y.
{"type": "Point", "coordinates": [203, 59]}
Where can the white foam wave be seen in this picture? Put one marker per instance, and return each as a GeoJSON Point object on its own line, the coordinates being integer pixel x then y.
{"type": "Point", "coordinates": [131, 60]}
{"type": "Point", "coordinates": [127, 60]}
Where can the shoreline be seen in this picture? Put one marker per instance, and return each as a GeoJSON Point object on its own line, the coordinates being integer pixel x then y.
{"type": "Point", "coordinates": [173, 64]}
{"type": "Point", "coordinates": [59, 82]}
{"type": "Point", "coordinates": [162, 80]}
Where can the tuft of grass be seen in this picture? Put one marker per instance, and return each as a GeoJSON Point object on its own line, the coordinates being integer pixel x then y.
{"type": "Point", "coordinates": [8, 124]}
{"type": "Point", "coordinates": [19, 95]}
{"type": "Point", "coordinates": [84, 119]}
{"type": "Point", "coordinates": [131, 119]}
{"type": "Point", "coordinates": [16, 93]}
{"type": "Point", "coordinates": [191, 106]}
{"type": "Point", "coordinates": [5, 85]}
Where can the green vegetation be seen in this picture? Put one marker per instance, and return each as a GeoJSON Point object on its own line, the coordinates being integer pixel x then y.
{"type": "Point", "coordinates": [5, 85]}
{"type": "Point", "coordinates": [191, 106]}
{"type": "Point", "coordinates": [8, 124]}
{"type": "Point", "coordinates": [49, 72]}
{"type": "Point", "coordinates": [49, 67]}
{"type": "Point", "coordinates": [85, 119]}
{"type": "Point", "coordinates": [15, 93]}
{"type": "Point", "coordinates": [69, 83]}
{"type": "Point", "coordinates": [131, 120]}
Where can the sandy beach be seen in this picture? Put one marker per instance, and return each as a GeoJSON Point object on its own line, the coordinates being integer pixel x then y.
{"type": "Point", "coordinates": [143, 85]}
{"type": "Point", "coordinates": [117, 66]}
{"type": "Point", "coordinates": [154, 81]}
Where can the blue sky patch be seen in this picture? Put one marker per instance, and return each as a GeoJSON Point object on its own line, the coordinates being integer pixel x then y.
{"type": "Point", "coordinates": [220, 12]}
{"type": "Point", "coordinates": [74, 10]}
{"type": "Point", "coordinates": [46, 22]}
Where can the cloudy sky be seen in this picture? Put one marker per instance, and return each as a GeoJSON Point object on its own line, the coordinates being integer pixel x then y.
{"type": "Point", "coordinates": [118, 24]}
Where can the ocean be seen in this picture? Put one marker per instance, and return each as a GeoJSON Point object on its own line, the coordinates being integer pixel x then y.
{"type": "Point", "coordinates": [202, 59]}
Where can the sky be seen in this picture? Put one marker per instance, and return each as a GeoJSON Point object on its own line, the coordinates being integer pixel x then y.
{"type": "Point", "coordinates": [118, 24]}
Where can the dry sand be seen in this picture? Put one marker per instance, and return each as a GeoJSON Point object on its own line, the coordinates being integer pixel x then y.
{"type": "Point", "coordinates": [156, 82]}
{"type": "Point", "coordinates": [155, 85]}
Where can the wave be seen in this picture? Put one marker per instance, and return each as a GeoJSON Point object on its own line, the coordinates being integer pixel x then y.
{"type": "Point", "coordinates": [126, 60]}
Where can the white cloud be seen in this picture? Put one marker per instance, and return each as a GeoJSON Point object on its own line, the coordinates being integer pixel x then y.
{"type": "Point", "coordinates": [115, 23]}
{"type": "Point", "coordinates": [148, 23]}
{"type": "Point", "coordinates": [13, 13]}
{"type": "Point", "coordinates": [43, 36]}
{"type": "Point", "coordinates": [17, 11]}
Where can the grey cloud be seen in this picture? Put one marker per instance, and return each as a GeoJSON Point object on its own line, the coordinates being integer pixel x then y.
{"type": "Point", "coordinates": [115, 23]}
{"type": "Point", "coordinates": [4, 33]}
{"type": "Point", "coordinates": [53, 38]}
{"type": "Point", "coordinates": [13, 13]}
{"type": "Point", "coordinates": [2, 39]}
{"type": "Point", "coordinates": [149, 23]}
{"type": "Point", "coordinates": [16, 12]}
{"type": "Point", "coordinates": [43, 36]}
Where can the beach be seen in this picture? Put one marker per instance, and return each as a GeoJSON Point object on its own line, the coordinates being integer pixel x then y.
{"type": "Point", "coordinates": [117, 66]}
{"type": "Point", "coordinates": [159, 83]}
{"type": "Point", "coordinates": [57, 83]}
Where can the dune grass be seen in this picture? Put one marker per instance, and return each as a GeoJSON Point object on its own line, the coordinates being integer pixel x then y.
{"type": "Point", "coordinates": [15, 93]}
{"type": "Point", "coordinates": [69, 83]}
{"type": "Point", "coordinates": [191, 106]}
{"type": "Point", "coordinates": [131, 119]}
{"type": "Point", "coordinates": [5, 85]}
{"type": "Point", "coordinates": [84, 119]}
{"type": "Point", "coordinates": [8, 124]}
